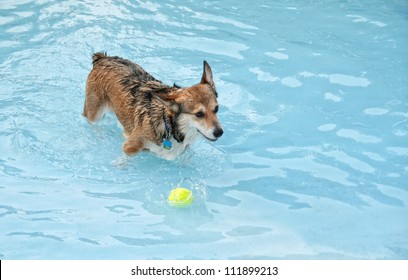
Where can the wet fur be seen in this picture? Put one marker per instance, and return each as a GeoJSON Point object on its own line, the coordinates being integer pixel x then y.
{"type": "Point", "coordinates": [142, 104]}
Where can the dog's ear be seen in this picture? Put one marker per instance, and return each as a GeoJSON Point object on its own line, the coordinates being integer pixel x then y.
{"type": "Point", "coordinates": [169, 100]}
{"type": "Point", "coordinates": [207, 75]}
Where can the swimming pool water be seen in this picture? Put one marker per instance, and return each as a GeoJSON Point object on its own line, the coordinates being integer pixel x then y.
{"type": "Point", "coordinates": [312, 165]}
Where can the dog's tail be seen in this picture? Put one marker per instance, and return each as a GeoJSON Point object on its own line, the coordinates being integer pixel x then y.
{"type": "Point", "coordinates": [97, 56]}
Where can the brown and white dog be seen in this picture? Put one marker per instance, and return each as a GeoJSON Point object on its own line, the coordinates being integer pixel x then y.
{"type": "Point", "coordinates": [155, 117]}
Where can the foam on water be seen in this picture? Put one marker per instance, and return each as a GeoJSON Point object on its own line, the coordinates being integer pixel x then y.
{"type": "Point", "coordinates": [312, 165]}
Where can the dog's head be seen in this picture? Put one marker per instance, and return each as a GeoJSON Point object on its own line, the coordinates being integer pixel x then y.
{"type": "Point", "coordinates": [197, 106]}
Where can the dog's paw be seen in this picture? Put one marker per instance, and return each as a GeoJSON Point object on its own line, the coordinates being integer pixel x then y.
{"type": "Point", "coordinates": [133, 146]}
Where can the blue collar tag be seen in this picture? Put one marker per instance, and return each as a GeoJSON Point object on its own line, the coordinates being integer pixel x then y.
{"type": "Point", "coordinates": [167, 144]}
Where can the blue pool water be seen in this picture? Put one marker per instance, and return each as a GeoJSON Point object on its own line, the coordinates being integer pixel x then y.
{"type": "Point", "coordinates": [313, 163]}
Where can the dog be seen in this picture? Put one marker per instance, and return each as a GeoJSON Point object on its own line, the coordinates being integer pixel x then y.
{"type": "Point", "coordinates": [157, 117]}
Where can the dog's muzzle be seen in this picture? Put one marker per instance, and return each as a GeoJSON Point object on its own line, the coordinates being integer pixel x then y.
{"type": "Point", "coordinates": [218, 132]}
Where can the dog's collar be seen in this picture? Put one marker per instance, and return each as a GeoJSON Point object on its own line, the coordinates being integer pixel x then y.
{"type": "Point", "coordinates": [166, 125]}
{"type": "Point", "coordinates": [172, 128]}
{"type": "Point", "coordinates": [167, 144]}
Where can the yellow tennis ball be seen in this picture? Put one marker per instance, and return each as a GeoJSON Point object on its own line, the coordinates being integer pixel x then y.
{"type": "Point", "coordinates": [180, 197]}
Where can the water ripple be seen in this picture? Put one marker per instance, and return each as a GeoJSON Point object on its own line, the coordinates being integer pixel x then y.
{"type": "Point", "coordinates": [36, 235]}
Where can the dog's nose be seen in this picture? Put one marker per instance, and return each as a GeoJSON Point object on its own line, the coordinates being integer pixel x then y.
{"type": "Point", "coordinates": [218, 132]}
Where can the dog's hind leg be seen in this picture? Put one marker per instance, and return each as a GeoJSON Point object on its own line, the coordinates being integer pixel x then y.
{"type": "Point", "coordinates": [96, 104]}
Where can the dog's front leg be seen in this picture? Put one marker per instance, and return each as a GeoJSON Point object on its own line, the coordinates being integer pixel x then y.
{"type": "Point", "coordinates": [133, 144]}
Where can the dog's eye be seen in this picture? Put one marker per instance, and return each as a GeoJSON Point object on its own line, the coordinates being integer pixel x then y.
{"type": "Point", "coordinates": [200, 114]}
{"type": "Point", "coordinates": [216, 109]}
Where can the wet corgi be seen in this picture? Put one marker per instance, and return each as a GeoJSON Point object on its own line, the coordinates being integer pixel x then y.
{"type": "Point", "coordinates": [156, 117]}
